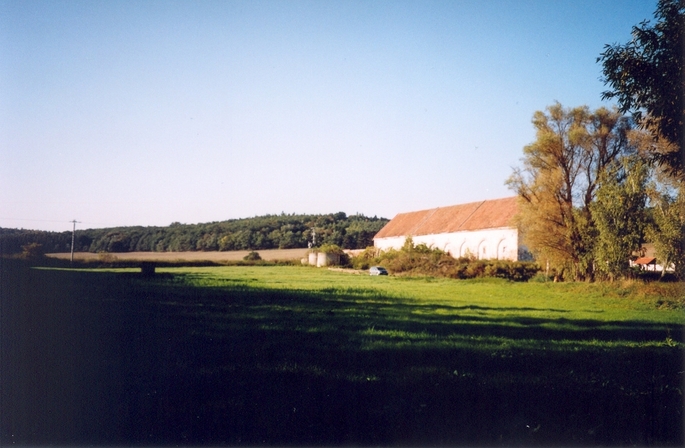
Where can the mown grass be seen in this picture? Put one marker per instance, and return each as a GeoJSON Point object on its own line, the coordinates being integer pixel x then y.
{"type": "Point", "coordinates": [303, 356]}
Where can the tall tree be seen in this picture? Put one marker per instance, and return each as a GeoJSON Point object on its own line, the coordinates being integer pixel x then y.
{"type": "Point", "coordinates": [619, 214]}
{"type": "Point", "coordinates": [558, 182]}
{"type": "Point", "coordinates": [646, 77]}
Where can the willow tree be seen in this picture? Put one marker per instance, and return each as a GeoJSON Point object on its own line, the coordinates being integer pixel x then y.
{"type": "Point", "coordinates": [559, 179]}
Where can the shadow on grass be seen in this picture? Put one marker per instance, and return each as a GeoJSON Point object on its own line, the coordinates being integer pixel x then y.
{"type": "Point", "coordinates": [108, 358]}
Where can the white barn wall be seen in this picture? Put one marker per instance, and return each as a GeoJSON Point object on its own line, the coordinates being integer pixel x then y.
{"type": "Point", "coordinates": [498, 243]}
{"type": "Point", "coordinates": [394, 242]}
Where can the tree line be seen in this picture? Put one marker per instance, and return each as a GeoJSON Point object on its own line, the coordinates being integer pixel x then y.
{"type": "Point", "coordinates": [595, 185]}
{"type": "Point", "coordinates": [258, 233]}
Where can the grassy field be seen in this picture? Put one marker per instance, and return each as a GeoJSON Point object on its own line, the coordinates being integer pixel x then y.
{"type": "Point", "coordinates": [305, 356]}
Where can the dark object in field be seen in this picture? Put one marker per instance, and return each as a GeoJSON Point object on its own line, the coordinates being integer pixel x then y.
{"type": "Point", "coordinates": [147, 268]}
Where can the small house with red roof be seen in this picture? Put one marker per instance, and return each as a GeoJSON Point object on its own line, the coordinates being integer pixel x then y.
{"type": "Point", "coordinates": [483, 229]}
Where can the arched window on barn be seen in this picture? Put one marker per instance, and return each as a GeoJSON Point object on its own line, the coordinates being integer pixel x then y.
{"type": "Point", "coordinates": [501, 249]}
{"type": "Point", "coordinates": [482, 250]}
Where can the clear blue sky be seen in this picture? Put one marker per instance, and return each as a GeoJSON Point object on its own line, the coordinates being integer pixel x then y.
{"type": "Point", "coordinates": [149, 112]}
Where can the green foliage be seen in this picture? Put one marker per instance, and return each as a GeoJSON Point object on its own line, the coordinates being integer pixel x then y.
{"type": "Point", "coordinates": [365, 259]}
{"type": "Point", "coordinates": [646, 77]}
{"type": "Point", "coordinates": [32, 251]}
{"type": "Point", "coordinates": [557, 184]}
{"type": "Point", "coordinates": [667, 229]}
{"type": "Point", "coordinates": [330, 249]}
{"type": "Point", "coordinates": [252, 256]}
{"type": "Point", "coordinates": [619, 215]}
{"type": "Point", "coordinates": [408, 245]}
{"type": "Point", "coordinates": [12, 240]}
{"type": "Point", "coordinates": [258, 233]}
{"type": "Point", "coordinates": [541, 277]}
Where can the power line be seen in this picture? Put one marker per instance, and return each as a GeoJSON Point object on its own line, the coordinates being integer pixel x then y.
{"type": "Point", "coordinates": [36, 220]}
{"type": "Point", "coordinates": [54, 220]}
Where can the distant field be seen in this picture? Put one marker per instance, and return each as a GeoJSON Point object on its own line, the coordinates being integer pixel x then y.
{"type": "Point", "coordinates": [272, 254]}
{"type": "Point", "coordinates": [300, 356]}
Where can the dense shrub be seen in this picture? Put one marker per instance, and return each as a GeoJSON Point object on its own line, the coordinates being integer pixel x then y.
{"type": "Point", "coordinates": [364, 260]}
{"type": "Point", "coordinates": [422, 260]}
{"type": "Point", "coordinates": [252, 256]}
{"type": "Point", "coordinates": [541, 277]}
{"type": "Point", "coordinates": [32, 251]}
{"type": "Point", "coordinates": [329, 249]}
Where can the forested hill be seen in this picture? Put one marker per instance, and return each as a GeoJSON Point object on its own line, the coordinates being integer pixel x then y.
{"type": "Point", "coordinates": [262, 232]}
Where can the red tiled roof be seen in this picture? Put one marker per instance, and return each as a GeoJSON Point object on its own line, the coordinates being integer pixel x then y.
{"type": "Point", "coordinates": [473, 216]}
{"type": "Point", "coordinates": [646, 260]}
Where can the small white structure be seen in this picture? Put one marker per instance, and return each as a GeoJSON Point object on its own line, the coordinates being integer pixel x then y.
{"type": "Point", "coordinates": [484, 230]}
{"type": "Point", "coordinates": [320, 259]}
{"type": "Point", "coordinates": [327, 259]}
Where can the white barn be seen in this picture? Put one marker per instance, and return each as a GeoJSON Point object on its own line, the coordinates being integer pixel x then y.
{"type": "Point", "coordinates": [484, 229]}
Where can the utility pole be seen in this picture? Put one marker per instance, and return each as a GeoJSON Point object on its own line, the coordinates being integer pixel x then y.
{"type": "Point", "coordinates": [73, 238]}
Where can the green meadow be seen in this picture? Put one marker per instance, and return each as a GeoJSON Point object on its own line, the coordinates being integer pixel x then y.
{"type": "Point", "coordinates": [286, 355]}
